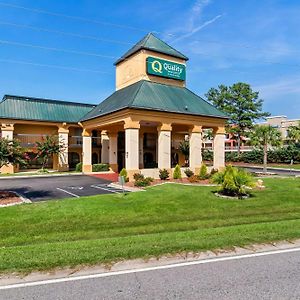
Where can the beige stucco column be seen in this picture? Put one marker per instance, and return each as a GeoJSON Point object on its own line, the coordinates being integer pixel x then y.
{"type": "Point", "coordinates": [164, 146]}
{"type": "Point", "coordinates": [104, 147]}
{"type": "Point", "coordinates": [195, 159]}
{"type": "Point", "coordinates": [63, 138]}
{"type": "Point", "coordinates": [7, 131]}
{"type": "Point", "coordinates": [86, 151]}
{"type": "Point", "coordinates": [113, 151]}
{"type": "Point", "coordinates": [219, 148]}
{"type": "Point", "coordinates": [131, 147]}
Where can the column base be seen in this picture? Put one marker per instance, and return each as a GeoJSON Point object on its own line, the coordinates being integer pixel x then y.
{"type": "Point", "coordinates": [9, 169]}
{"type": "Point", "coordinates": [219, 167]}
{"type": "Point", "coordinates": [63, 168]}
{"type": "Point", "coordinates": [114, 167]}
{"type": "Point", "coordinates": [87, 168]}
{"type": "Point", "coordinates": [130, 174]}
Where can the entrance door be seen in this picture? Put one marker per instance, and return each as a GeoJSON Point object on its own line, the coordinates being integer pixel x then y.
{"type": "Point", "coordinates": [74, 159]}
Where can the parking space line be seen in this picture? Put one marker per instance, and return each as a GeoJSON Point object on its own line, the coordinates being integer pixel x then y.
{"type": "Point", "coordinates": [74, 195]}
{"type": "Point", "coordinates": [105, 189]}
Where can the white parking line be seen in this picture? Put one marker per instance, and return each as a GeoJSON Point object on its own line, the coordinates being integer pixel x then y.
{"type": "Point", "coordinates": [171, 266]}
{"type": "Point", "coordinates": [72, 194]}
{"type": "Point", "coordinates": [105, 189]}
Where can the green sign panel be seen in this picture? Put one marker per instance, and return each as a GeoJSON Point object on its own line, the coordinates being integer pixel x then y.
{"type": "Point", "coordinates": [165, 68]}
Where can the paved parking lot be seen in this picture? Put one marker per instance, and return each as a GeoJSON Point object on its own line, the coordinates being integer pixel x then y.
{"type": "Point", "coordinates": [46, 188]}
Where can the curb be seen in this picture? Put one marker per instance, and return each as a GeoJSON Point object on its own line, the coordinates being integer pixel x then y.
{"type": "Point", "coordinates": [38, 176]}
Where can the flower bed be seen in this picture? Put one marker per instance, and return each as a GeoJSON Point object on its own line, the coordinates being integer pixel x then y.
{"type": "Point", "coordinates": [9, 198]}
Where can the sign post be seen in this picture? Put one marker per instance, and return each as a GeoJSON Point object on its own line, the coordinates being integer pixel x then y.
{"type": "Point", "coordinates": [122, 182]}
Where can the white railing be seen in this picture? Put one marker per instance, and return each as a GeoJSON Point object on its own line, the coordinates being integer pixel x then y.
{"type": "Point", "coordinates": [29, 140]}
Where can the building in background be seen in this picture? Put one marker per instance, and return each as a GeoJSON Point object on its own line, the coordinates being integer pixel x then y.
{"type": "Point", "coordinates": [282, 123]}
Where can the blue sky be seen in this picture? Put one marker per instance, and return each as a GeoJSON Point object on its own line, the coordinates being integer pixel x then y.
{"type": "Point", "coordinates": [257, 42]}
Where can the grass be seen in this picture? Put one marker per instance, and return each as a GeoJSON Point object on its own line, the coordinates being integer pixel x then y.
{"type": "Point", "coordinates": [36, 173]}
{"type": "Point", "coordinates": [165, 219]}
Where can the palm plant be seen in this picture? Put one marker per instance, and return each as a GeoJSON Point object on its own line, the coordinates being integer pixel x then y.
{"type": "Point", "coordinates": [264, 136]}
{"type": "Point", "coordinates": [184, 148]}
{"type": "Point", "coordinates": [294, 133]}
{"type": "Point", "coordinates": [234, 181]}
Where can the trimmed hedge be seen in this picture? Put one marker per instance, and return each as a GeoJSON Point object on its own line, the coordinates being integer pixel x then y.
{"type": "Point", "coordinates": [95, 167]}
{"type": "Point", "coordinates": [279, 155]}
{"type": "Point", "coordinates": [78, 167]}
{"type": "Point", "coordinates": [100, 167]}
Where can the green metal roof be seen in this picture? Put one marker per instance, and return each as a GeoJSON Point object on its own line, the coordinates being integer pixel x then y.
{"type": "Point", "coordinates": [155, 96]}
{"type": "Point", "coordinates": [153, 43]}
{"type": "Point", "coordinates": [25, 108]}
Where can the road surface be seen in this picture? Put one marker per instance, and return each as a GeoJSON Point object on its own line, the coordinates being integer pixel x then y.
{"type": "Point", "coordinates": [277, 171]}
{"type": "Point", "coordinates": [57, 187]}
{"type": "Point", "coordinates": [272, 276]}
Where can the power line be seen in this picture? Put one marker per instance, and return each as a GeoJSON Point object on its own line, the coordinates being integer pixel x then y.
{"type": "Point", "coordinates": [46, 12]}
{"type": "Point", "coordinates": [56, 49]}
{"type": "Point", "coordinates": [114, 25]}
{"type": "Point", "coordinates": [115, 57]}
{"type": "Point", "coordinates": [65, 33]}
{"type": "Point", "coordinates": [52, 66]}
{"type": "Point", "coordinates": [90, 37]}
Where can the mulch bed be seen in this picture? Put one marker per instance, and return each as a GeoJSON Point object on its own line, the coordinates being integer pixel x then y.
{"type": "Point", "coordinates": [9, 198]}
{"type": "Point", "coordinates": [183, 180]}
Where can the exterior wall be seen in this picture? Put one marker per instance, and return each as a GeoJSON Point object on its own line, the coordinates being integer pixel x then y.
{"type": "Point", "coordinates": [35, 129]}
{"type": "Point", "coordinates": [282, 123]}
{"type": "Point", "coordinates": [133, 69]}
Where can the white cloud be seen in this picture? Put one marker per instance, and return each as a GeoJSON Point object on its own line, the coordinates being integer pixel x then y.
{"type": "Point", "coordinates": [197, 28]}
{"type": "Point", "coordinates": [193, 22]}
{"type": "Point", "coordinates": [280, 88]}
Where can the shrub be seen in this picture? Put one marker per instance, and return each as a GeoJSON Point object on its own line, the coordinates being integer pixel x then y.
{"type": "Point", "coordinates": [188, 173]}
{"type": "Point", "coordinates": [124, 173]}
{"type": "Point", "coordinates": [138, 176]}
{"type": "Point", "coordinates": [207, 155]}
{"type": "Point", "coordinates": [43, 171]}
{"type": "Point", "coordinates": [164, 174]}
{"type": "Point", "coordinates": [233, 181]}
{"type": "Point", "coordinates": [203, 172]}
{"type": "Point", "coordinates": [143, 182]}
{"type": "Point", "coordinates": [177, 172]}
{"type": "Point", "coordinates": [193, 179]}
{"type": "Point", "coordinates": [100, 167]}
{"type": "Point", "coordinates": [78, 167]}
{"type": "Point", "coordinates": [213, 171]}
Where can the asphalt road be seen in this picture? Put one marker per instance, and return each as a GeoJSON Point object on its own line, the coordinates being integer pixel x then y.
{"type": "Point", "coordinates": [274, 276]}
{"type": "Point", "coordinates": [50, 188]}
{"type": "Point", "coordinates": [281, 172]}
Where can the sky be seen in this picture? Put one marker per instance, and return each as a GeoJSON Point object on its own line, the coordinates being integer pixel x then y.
{"type": "Point", "coordinates": [66, 49]}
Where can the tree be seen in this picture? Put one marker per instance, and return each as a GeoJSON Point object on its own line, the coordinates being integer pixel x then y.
{"type": "Point", "coordinates": [294, 133]}
{"type": "Point", "coordinates": [265, 136]}
{"type": "Point", "coordinates": [242, 105]}
{"type": "Point", "coordinates": [47, 148]}
{"type": "Point", "coordinates": [11, 153]}
{"type": "Point", "coordinates": [184, 148]}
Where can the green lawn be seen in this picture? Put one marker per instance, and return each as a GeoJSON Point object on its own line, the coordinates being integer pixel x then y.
{"type": "Point", "coordinates": [36, 173]}
{"type": "Point", "coordinates": [164, 219]}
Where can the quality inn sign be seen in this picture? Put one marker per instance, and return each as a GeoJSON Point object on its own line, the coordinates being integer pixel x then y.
{"type": "Point", "coordinates": [165, 68]}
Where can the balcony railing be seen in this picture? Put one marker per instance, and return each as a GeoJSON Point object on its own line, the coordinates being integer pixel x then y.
{"type": "Point", "coordinates": [29, 140]}
{"type": "Point", "coordinates": [76, 141]}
